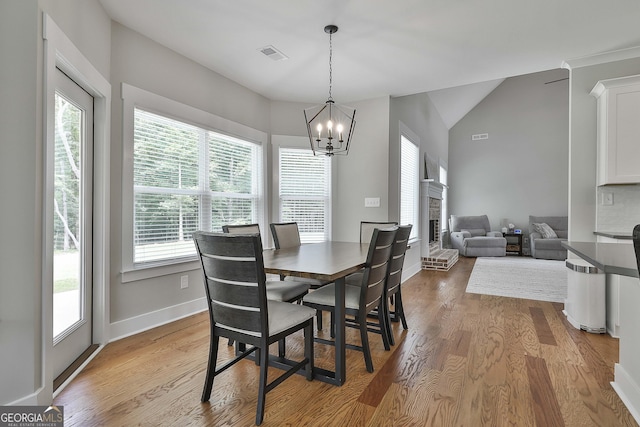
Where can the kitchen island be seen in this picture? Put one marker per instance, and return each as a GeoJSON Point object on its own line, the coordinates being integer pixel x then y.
{"type": "Point", "coordinates": [619, 259]}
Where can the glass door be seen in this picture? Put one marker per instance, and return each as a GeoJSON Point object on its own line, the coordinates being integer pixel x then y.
{"type": "Point", "coordinates": [72, 210]}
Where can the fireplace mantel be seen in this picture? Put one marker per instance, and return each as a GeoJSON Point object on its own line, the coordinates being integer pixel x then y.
{"type": "Point", "coordinates": [431, 188]}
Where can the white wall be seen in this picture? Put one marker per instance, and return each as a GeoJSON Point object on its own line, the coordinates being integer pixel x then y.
{"type": "Point", "coordinates": [521, 169]}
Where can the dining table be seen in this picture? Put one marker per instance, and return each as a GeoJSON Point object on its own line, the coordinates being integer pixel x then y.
{"type": "Point", "coordinates": [328, 261]}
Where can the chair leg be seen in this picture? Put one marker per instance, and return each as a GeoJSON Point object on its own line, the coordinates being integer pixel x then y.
{"type": "Point", "coordinates": [262, 391]}
{"type": "Point", "coordinates": [400, 310]}
{"type": "Point", "coordinates": [308, 351]}
{"type": "Point", "coordinates": [281, 348]}
{"type": "Point", "coordinates": [211, 368]}
{"type": "Point", "coordinates": [332, 326]}
{"type": "Point", "coordinates": [319, 318]}
{"type": "Point", "coordinates": [364, 337]}
{"type": "Point", "coordinates": [384, 319]}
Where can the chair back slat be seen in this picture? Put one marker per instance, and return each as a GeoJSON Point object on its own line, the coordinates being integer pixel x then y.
{"type": "Point", "coordinates": [397, 258]}
{"type": "Point", "coordinates": [235, 280]}
{"type": "Point", "coordinates": [367, 227]}
{"type": "Point", "coordinates": [376, 267]}
{"type": "Point", "coordinates": [241, 228]}
{"type": "Point", "coordinates": [285, 235]}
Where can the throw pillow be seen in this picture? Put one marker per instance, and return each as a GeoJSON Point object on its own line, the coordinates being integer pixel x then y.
{"type": "Point", "coordinates": [546, 231]}
{"type": "Point", "coordinates": [476, 231]}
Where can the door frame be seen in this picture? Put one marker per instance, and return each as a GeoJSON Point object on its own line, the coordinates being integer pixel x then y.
{"type": "Point", "coordinates": [60, 52]}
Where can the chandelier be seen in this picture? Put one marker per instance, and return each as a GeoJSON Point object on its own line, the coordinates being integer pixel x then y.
{"type": "Point", "coordinates": [330, 125]}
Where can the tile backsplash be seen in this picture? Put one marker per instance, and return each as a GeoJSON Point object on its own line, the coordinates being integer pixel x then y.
{"type": "Point", "coordinates": [623, 214]}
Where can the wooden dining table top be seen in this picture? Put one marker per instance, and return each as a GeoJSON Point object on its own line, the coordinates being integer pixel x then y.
{"type": "Point", "coordinates": [324, 261]}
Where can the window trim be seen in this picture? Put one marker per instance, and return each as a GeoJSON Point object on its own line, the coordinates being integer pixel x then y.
{"type": "Point", "coordinates": [133, 97]}
{"type": "Point", "coordinates": [415, 140]}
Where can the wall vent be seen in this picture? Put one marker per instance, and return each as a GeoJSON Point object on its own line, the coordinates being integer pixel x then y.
{"type": "Point", "coordinates": [273, 53]}
{"type": "Point", "coordinates": [479, 136]}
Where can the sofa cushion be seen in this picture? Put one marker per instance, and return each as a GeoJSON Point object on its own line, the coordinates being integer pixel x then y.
{"type": "Point", "coordinates": [485, 242]}
{"type": "Point", "coordinates": [475, 231]}
{"type": "Point", "coordinates": [546, 231]}
{"type": "Point", "coordinates": [548, 244]}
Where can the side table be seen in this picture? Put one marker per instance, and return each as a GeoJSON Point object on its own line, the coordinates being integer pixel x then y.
{"type": "Point", "coordinates": [514, 243]}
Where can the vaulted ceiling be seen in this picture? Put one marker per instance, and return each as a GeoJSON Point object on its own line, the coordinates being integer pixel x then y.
{"type": "Point", "coordinates": [382, 48]}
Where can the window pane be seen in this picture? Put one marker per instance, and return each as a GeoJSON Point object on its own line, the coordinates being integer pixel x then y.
{"type": "Point", "coordinates": [409, 185]}
{"type": "Point", "coordinates": [305, 193]}
{"type": "Point", "coordinates": [232, 210]}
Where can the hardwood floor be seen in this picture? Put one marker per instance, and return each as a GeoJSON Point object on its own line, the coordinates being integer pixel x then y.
{"type": "Point", "coordinates": [466, 360]}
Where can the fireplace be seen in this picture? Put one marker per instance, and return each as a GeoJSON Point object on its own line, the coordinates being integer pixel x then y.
{"type": "Point", "coordinates": [434, 257]}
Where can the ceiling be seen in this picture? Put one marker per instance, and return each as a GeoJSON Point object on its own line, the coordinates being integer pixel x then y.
{"type": "Point", "coordinates": [382, 48]}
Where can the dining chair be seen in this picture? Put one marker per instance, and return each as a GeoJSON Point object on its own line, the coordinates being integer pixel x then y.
{"type": "Point", "coordinates": [367, 227]}
{"type": "Point", "coordinates": [235, 286]}
{"type": "Point", "coordinates": [287, 235]}
{"type": "Point", "coordinates": [392, 290]}
{"type": "Point", "coordinates": [276, 289]}
{"type": "Point", "coordinates": [363, 299]}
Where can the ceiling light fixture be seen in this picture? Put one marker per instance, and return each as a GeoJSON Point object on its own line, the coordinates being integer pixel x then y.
{"type": "Point", "coordinates": [330, 126]}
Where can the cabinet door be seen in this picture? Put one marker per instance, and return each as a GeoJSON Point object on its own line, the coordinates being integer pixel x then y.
{"type": "Point", "coordinates": [624, 135]}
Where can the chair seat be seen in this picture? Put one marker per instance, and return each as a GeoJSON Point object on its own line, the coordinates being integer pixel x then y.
{"type": "Point", "coordinates": [551, 244]}
{"type": "Point", "coordinates": [279, 290]}
{"type": "Point", "coordinates": [326, 296]}
{"type": "Point", "coordinates": [284, 315]}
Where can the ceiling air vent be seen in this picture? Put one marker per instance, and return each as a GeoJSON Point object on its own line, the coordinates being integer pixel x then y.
{"type": "Point", "coordinates": [273, 53]}
{"type": "Point", "coordinates": [479, 136]}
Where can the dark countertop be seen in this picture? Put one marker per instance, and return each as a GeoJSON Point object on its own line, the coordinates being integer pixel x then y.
{"type": "Point", "coordinates": [620, 235]}
{"type": "Point", "coordinates": [612, 258]}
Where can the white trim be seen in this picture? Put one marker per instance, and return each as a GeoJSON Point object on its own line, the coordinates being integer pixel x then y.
{"type": "Point", "coordinates": [135, 325]}
{"type": "Point", "coordinates": [601, 58]}
{"type": "Point", "coordinates": [411, 270]}
{"type": "Point", "coordinates": [133, 97]}
{"type": "Point", "coordinates": [628, 390]}
{"type": "Point", "coordinates": [60, 52]}
{"type": "Point", "coordinates": [77, 371]}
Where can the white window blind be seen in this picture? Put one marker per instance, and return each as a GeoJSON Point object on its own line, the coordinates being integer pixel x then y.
{"type": "Point", "coordinates": [305, 193]}
{"type": "Point", "coordinates": [185, 179]}
{"type": "Point", "coordinates": [409, 185]}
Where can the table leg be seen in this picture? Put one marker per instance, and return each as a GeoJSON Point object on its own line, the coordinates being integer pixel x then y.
{"type": "Point", "coordinates": [341, 355]}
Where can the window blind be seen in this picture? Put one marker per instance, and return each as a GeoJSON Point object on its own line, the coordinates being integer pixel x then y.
{"type": "Point", "coordinates": [185, 179]}
{"type": "Point", "coordinates": [409, 185]}
{"type": "Point", "coordinates": [305, 193]}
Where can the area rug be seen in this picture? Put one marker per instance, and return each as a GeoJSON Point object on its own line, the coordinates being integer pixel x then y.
{"type": "Point", "coordinates": [528, 278]}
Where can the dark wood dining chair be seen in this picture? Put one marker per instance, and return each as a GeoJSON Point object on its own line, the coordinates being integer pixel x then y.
{"type": "Point", "coordinates": [276, 289]}
{"type": "Point", "coordinates": [235, 286]}
{"type": "Point", "coordinates": [392, 291]}
{"type": "Point", "coordinates": [363, 299]}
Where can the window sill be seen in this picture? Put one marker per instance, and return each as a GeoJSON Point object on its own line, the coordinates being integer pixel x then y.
{"type": "Point", "coordinates": [156, 270]}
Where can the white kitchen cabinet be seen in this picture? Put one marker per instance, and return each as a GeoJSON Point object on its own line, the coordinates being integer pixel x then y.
{"type": "Point", "coordinates": [618, 121]}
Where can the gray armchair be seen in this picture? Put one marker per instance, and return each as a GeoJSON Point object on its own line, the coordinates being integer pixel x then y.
{"type": "Point", "coordinates": [548, 247]}
{"type": "Point", "coordinates": [472, 237]}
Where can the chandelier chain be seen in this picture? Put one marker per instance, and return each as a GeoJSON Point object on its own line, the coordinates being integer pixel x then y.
{"type": "Point", "coordinates": [330, 63]}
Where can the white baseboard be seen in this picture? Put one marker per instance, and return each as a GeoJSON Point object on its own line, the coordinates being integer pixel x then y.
{"type": "Point", "coordinates": [411, 270]}
{"type": "Point", "coordinates": [628, 390]}
{"type": "Point", "coordinates": [143, 322]}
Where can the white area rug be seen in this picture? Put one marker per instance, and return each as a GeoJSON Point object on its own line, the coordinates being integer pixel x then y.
{"type": "Point", "coordinates": [528, 278]}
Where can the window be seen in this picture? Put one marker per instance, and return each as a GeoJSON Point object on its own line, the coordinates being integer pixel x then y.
{"type": "Point", "coordinates": [187, 178]}
{"type": "Point", "coordinates": [409, 185]}
{"type": "Point", "coordinates": [305, 193]}
{"type": "Point", "coordinates": [443, 209]}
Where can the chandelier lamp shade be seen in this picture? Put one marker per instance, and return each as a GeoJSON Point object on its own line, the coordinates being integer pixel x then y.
{"type": "Point", "coordinates": [330, 125]}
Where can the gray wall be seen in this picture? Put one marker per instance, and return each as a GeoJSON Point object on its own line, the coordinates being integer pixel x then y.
{"type": "Point", "coordinates": [582, 157]}
{"type": "Point", "coordinates": [21, 97]}
{"type": "Point", "coordinates": [521, 169]}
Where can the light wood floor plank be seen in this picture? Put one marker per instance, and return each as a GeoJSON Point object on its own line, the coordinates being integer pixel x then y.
{"type": "Point", "coordinates": [466, 360]}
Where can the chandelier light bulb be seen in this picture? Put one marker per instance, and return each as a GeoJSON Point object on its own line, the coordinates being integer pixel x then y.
{"type": "Point", "coordinates": [339, 128]}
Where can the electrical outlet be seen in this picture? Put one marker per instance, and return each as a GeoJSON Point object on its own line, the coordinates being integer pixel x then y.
{"type": "Point", "coordinates": [184, 282]}
{"type": "Point", "coordinates": [372, 202]}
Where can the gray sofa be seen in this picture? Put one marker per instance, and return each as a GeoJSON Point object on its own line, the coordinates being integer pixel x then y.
{"type": "Point", "coordinates": [472, 237]}
{"type": "Point", "coordinates": [548, 248]}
